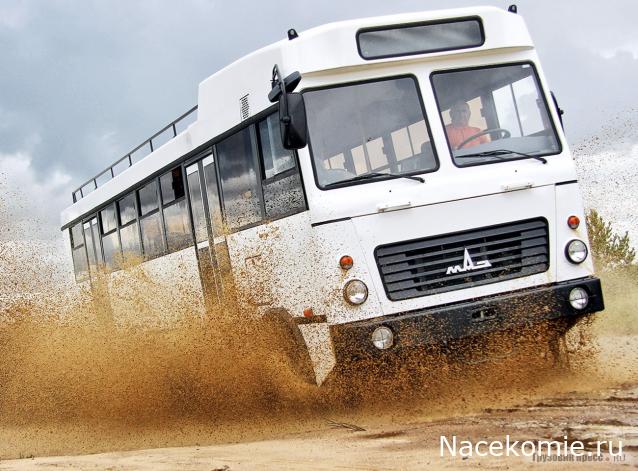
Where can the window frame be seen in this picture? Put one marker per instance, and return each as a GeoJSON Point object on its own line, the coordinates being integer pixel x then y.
{"type": "Point", "coordinates": [478, 19]}
{"type": "Point", "coordinates": [435, 155]}
{"type": "Point", "coordinates": [541, 91]}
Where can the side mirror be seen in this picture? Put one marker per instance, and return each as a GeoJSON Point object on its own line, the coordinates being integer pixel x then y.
{"type": "Point", "coordinates": [292, 121]}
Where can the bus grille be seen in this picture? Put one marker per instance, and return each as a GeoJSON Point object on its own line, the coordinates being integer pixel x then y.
{"type": "Point", "coordinates": [464, 259]}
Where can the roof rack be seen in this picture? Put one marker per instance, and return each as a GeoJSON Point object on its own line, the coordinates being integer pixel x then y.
{"type": "Point", "coordinates": [162, 136]}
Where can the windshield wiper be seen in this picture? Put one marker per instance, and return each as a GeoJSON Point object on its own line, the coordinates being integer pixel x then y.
{"type": "Point", "coordinates": [367, 176]}
{"type": "Point", "coordinates": [501, 152]}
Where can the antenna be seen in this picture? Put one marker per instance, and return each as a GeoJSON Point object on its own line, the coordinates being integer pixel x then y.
{"type": "Point", "coordinates": [292, 34]}
{"type": "Point", "coordinates": [512, 9]}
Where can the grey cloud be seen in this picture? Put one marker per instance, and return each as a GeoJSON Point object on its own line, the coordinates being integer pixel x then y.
{"type": "Point", "coordinates": [85, 81]}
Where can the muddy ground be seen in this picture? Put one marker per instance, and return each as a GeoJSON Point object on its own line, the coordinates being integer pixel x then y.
{"type": "Point", "coordinates": [406, 442]}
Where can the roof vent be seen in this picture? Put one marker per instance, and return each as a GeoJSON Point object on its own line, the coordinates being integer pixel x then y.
{"type": "Point", "coordinates": [244, 108]}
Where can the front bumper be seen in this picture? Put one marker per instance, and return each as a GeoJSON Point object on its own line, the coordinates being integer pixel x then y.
{"type": "Point", "coordinates": [465, 319]}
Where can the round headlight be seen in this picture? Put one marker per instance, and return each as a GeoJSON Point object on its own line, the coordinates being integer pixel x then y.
{"type": "Point", "coordinates": [576, 251]}
{"type": "Point", "coordinates": [355, 292]}
{"type": "Point", "coordinates": [578, 298]}
{"type": "Point", "coordinates": [382, 338]}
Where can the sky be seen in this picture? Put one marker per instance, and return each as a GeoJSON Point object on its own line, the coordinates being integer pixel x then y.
{"type": "Point", "coordinates": [82, 82]}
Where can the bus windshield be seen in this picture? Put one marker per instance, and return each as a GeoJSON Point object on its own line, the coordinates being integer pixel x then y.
{"type": "Point", "coordinates": [492, 114]}
{"type": "Point", "coordinates": [369, 127]}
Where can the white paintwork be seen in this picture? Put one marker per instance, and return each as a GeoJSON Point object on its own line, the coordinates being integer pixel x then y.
{"type": "Point", "coordinates": [159, 292]}
{"type": "Point", "coordinates": [289, 264]}
{"type": "Point", "coordinates": [319, 342]}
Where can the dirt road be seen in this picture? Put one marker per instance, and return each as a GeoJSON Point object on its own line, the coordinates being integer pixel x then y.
{"type": "Point", "coordinates": [407, 443]}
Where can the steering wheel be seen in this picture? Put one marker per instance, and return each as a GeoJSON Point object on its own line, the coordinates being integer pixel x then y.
{"type": "Point", "coordinates": [505, 134]}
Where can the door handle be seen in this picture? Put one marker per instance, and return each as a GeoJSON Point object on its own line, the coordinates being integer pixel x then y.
{"type": "Point", "coordinates": [517, 186]}
{"type": "Point", "coordinates": [384, 207]}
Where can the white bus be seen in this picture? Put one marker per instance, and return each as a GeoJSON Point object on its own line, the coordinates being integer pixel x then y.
{"type": "Point", "coordinates": [416, 188]}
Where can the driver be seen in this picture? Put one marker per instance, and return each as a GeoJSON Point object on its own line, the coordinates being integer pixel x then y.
{"type": "Point", "coordinates": [459, 129]}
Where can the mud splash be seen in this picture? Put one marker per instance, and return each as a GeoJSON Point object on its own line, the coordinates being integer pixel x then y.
{"type": "Point", "coordinates": [74, 380]}
{"type": "Point", "coordinates": [77, 384]}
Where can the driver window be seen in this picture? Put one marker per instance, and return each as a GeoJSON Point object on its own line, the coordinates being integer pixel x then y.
{"type": "Point", "coordinates": [494, 114]}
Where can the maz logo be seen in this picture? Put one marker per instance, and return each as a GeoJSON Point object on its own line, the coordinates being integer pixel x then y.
{"type": "Point", "coordinates": [468, 264]}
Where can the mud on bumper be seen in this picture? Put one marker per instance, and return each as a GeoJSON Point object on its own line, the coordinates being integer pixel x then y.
{"type": "Point", "coordinates": [459, 320]}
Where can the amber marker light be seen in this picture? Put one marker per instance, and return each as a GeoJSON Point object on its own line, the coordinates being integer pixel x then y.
{"type": "Point", "coordinates": [346, 262]}
{"type": "Point", "coordinates": [573, 222]}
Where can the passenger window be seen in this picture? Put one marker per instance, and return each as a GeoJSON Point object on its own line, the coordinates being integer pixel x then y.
{"type": "Point", "coordinates": [126, 207]}
{"type": "Point", "coordinates": [130, 241]}
{"type": "Point", "coordinates": [111, 248]}
{"type": "Point", "coordinates": [175, 209]}
{"type": "Point", "coordinates": [240, 185]}
{"type": "Point", "coordinates": [129, 235]}
{"type": "Point", "coordinates": [152, 236]}
{"type": "Point", "coordinates": [197, 203]}
{"type": "Point", "coordinates": [80, 263]}
{"type": "Point", "coordinates": [172, 185]}
{"type": "Point", "coordinates": [92, 243]}
{"type": "Point", "coordinates": [150, 222]}
{"type": "Point", "coordinates": [110, 240]}
{"type": "Point", "coordinates": [178, 232]}
{"type": "Point", "coordinates": [283, 193]}
{"type": "Point", "coordinates": [212, 193]}
{"type": "Point", "coordinates": [107, 217]}
{"type": "Point", "coordinates": [276, 159]}
{"type": "Point", "coordinates": [148, 198]}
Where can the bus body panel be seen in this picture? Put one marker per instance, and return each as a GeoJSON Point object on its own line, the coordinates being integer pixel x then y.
{"type": "Point", "coordinates": [158, 292]}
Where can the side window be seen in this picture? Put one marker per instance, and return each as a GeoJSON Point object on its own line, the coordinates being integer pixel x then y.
{"type": "Point", "coordinates": [239, 179]}
{"type": "Point", "coordinates": [175, 209]}
{"type": "Point", "coordinates": [110, 239]}
{"type": "Point", "coordinates": [78, 251]}
{"type": "Point", "coordinates": [150, 220]}
{"type": "Point", "coordinates": [283, 193]}
{"type": "Point", "coordinates": [197, 203]}
{"type": "Point", "coordinates": [92, 241]}
{"type": "Point", "coordinates": [129, 234]}
{"type": "Point", "coordinates": [212, 193]}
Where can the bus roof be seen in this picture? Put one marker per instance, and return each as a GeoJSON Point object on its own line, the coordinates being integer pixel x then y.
{"type": "Point", "coordinates": [240, 90]}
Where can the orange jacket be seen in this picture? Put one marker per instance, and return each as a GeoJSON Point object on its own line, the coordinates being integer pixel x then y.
{"type": "Point", "coordinates": [456, 135]}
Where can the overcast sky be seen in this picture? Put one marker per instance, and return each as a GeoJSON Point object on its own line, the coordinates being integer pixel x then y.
{"type": "Point", "coordinates": [84, 81]}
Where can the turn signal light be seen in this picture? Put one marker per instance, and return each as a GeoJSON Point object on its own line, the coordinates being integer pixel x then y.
{"type": "Point", "coordinates": [308, 312]}
{"type": "Point", "coordinates": [573, 222]}
{"type": "Point", "coordinates": [346, 262]}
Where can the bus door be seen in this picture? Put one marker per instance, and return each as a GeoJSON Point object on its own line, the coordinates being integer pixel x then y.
{"type": "Point", "coordinates": [210, 239]}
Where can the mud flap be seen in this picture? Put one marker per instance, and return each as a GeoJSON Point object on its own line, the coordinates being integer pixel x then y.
{"type": "Point", "coordinates": [319, 343]}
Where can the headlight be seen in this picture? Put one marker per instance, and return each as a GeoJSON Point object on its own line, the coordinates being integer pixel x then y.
{"type": "Point", "coordinates": [578, 298]}
{"type": "Point", "coordinates": [382, 338]}
{"type": "Point", "coordinates": [355, 292]}
{"type": "Point", "coordinates": [576, 251]}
